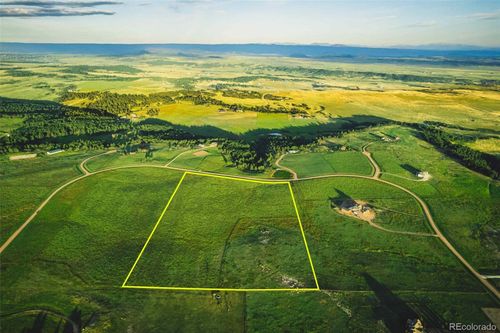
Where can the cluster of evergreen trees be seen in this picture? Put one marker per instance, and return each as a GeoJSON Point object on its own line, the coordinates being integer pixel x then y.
{"type": "Point", "coordinates": [450, 144]}
{"type": "Point", "coordinates": [200, 98]}
{"type": "Point", "coordinates": [118, 104]}
{"type": "Point", "coordinates": [241, 93]}
{"type": "Point", "coordinates": [155, 129]}
{"type": "Point", "coordinates": [260, 153]}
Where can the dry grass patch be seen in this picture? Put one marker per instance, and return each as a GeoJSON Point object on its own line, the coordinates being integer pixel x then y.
{"type": "Point", "coordinates": [200, 153]}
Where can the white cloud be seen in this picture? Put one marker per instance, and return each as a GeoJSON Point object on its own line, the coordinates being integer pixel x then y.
{"type": "Point", "coordinates": [38, 12]}
{"type": "Point", "coordinates": [484, 16]}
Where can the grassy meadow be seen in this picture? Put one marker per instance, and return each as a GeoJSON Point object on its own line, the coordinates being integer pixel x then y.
{"type": "Point", "coordinates": [324, 163]}
{"type": "Point", "coordinates": [462, 201]}
{"type": "Point", "coordinates": [51, 265]}
{"type": "Point", "coordinates": [229, 243]}
{"type": "Point", "coordinates": [161, 156]}
{"type": "Point", "coordinates": [26, 183]}
{"type": "Point", "coordinates": [345, 248]}
{"type": "Point", "coordinates": [210, 160]}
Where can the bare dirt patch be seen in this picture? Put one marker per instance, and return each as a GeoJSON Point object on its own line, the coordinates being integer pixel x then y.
{"type": "Point", "coordinates": [21, 157]}
{"type": "Point", "coordinates": [200, 153]}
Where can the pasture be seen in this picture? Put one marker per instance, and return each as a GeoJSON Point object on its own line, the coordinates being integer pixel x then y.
{"type": "Point", "coordinates": [211, 236]}
{"type": "Point", "coordinates": [210, 159]}
{"type": "Point", "coordinates": [462, 201]}
{"type": "Point", "coordinates": [309, 164]}
{"type": "Point", "coordinates": [346, 249]}
{"type": "Point", "coordinates": [75, 255]}
{"type": "Point", "coordinates": [26, 183]}
{"type": "Point", "coordinates": [161, 156]}
{"type": "Point", "coordinates": [208, 116]}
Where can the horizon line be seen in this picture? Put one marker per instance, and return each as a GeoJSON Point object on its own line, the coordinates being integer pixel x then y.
{"type": "Point", "coordinates": [431, 46]}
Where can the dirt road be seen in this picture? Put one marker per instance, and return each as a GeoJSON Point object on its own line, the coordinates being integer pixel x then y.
{"type": "Point", "coordinates": [277, 163]}
{"type": "Point", "coordinates": [375, 166]}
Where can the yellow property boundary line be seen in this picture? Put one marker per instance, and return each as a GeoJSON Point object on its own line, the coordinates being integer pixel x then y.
{"type": "Point", "coordinates": [236, 178]}
{"type": "Point", "coordinates": [154, 229]}
{"type": "Point", "coordinates": [124, 285]}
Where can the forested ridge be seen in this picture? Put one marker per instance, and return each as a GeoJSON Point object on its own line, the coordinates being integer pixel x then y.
{"type": "Point", "coordinates": [53, 125]}
{"type": "Point", "coordinates": [48, 125]}
{"type": "Point", "coordinates": [124, 104]}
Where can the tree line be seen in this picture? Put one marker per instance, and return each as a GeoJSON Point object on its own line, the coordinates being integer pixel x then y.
{"type": "Point", "coordinates": [124, 104]}
{"type": "Point", "coordinates": [484, 163]}
{"type": "Point", "coordinates": [201, 98]}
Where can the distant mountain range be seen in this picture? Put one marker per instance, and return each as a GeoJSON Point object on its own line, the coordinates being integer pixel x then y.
{"type": "Point", "coordinates": [288, 50]}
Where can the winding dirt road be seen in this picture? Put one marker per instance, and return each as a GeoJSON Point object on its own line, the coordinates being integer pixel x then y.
{"type": "Point", "coordinates": [375, 166]}
{"type": "Point", "coordinates": [375, 177]}
{"type": "Point", "coordinates": [277, 163]}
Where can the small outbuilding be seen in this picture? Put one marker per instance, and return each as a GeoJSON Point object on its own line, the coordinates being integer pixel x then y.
{"type": "Point", "coordinates": [55, 151]}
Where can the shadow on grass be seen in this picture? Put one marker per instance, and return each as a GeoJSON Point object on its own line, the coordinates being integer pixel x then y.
{"type": "Point", "coordinates": [341, 198]}
{"type": "Point", "coordinates": [397, 313]}
{"type": "Point", "coordinates": [315, 130]}
{"type": "Point", "coordinates": [393, 311]}
{"type": "Point", "coordinates": [70, 324]}
{"type": "Point", "coordinates": [410, 168]}
{"type": "Point", "coordinates": [310, 131]}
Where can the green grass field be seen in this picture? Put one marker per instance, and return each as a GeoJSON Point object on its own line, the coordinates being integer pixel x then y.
{"type": "Point", "coordinates": [316, 164]}
{"type": "Point", "coordinates": [356, 311]}
{"type": "Point", "coordinates": [161, 156]}
{"type": "Point", "coordinates": [462, 201]}
{"type": "Point", "coordinates": [344, 248]}
{"type": "Point", "coordinates": [90, 212]}
{"type": "Point", "coordinates": [26, 183]}
{"type": "Point", "coordinates": [235, 122]}
{"type": "Point", "coordinates": [77, 252]}
{"type": "Point", "coordinates": [211, 237]}
{"type": "Point", "coordinates": [348, 254]}
{"type": "Point", "coordinates": [7, 124]}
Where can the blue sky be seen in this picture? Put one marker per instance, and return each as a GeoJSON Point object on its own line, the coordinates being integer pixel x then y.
{"type": "Point", "coordinates": [373, 23]}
